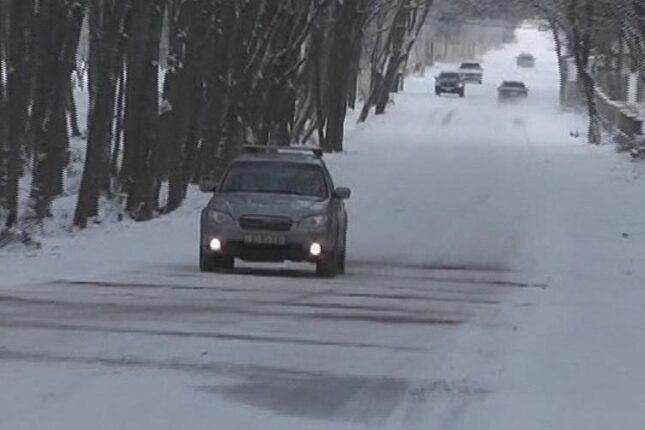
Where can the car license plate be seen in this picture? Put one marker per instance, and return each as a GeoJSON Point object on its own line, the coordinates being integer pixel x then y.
{"type": "Point", "coordinates": [265, 239]}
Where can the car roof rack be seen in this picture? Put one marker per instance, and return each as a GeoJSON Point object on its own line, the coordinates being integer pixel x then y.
{"type": "Point", "coordinates": [272, 149]}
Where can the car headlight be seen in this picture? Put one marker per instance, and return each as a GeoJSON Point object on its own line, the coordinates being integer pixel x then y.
{"type": "Point", "coordinates": [219, 217]}
{"type": "Point", "coordinates": [316, 222]}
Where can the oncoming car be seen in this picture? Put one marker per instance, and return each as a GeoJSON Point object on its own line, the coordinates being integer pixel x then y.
{"type": "Point", "coordinates": [512, 90]}
{"type": "Point", "coordinates": [449, 82]}
{"type": "Point", "coordinates": [275, 205]}
{"type": "Point", "coordinates": [525, 59]}
{"type": "Point", "coordinates": [472, 72]}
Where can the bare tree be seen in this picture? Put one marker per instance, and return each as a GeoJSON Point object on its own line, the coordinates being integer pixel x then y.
{"type": "Point", "coordinates": [4, 118]}
{"type": "Point", "coordinates": [402, 24]}
{"type": "Point", "coordinates": [113, 13]}
{"type": "Point", "coordinates": [17, 102]}
{"type": "Point", "coordinates": [190, 33]}
{"type": "Point", "coordinates": [141, 162]}
{"type": "Point", "coordinates": [58, 25]}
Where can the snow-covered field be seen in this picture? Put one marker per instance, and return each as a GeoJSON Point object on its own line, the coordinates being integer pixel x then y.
{"type": "Point", "coordinates": [496, 281]}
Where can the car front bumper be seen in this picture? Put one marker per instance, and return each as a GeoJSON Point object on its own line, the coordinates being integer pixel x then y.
{"type": "Point", "coordinates": [293, 245]}
{"type": "Point", "coordinates": [472, 77]}
{"type": "Point", "coordinates": [449, 89]}
{"type": "Point", "coordinates": [511, 95]}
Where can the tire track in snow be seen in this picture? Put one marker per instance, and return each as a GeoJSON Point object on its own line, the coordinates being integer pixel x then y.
{"type": "Point", "coordinates": [445, 122]}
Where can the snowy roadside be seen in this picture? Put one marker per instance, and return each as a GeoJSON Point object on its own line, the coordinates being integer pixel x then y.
{"type": "Point", "coordinates": [577, 360]}
{"type": "Point", "coordinates": [111, 247]}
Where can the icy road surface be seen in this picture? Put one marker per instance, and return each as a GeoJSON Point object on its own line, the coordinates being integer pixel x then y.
{"type": "Point", "coordinates": [495, 281]}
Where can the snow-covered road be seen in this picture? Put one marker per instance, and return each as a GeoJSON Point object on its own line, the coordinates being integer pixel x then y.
{"type": "Point", "coordinates": [495, 281]}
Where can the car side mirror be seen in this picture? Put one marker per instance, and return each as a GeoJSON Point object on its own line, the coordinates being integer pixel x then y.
{"type": "Point", "coordinates": [208, 186]}
{"type": "Point", "coordinates": [342, 193]}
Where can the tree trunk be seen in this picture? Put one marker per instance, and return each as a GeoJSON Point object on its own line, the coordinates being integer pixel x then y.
{"type": "Point", "coordinates": [59, 26]}
{"type": "Point", "coordinates": [4, 126]}
{"type": "Point", "coordinates": [102, 112]}
{"type": "Point", "coordinates": [382, 57]}
{"type": "Point", "coordinates": [375, 88]}
{"type": "Point", "coordinates": [594, 128]}
{"type": "Point", "coordinates": [100, 20]}
{"type": "Point", "coordinates": [96, 28]}
{"type": "Point", "coordinates": [118, 133]}
{"type": "Point", "coordinates": [141, 161]}
{"type": "Point", "coordinates": [339, 74]}
{"type": "Point", "coordinates": [355, 59]}
{"type": "Point", "coordinates": [18, 93]}
{"type": "Point", "coordinates": [581, 32]}
{"type": "Point", "coordinates": [217, 97]}
{"type": "Point", "coordinates": [183, 95]}
{"type": "Point", "coordinates": [562, 67]}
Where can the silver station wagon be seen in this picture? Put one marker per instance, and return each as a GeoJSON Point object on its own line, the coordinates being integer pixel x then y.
{"type": "Point", "coordinates": [273, 205]}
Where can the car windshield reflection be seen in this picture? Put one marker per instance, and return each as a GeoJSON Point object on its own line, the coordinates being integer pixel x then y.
{"type": "Point", "coordinates": [276, 178]}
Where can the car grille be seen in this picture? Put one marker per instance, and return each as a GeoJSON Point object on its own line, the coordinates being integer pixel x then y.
{"type": "Point", "coordinates": [265, 223]}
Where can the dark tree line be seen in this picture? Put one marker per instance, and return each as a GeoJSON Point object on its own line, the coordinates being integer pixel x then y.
{"type": "Point", "coordinates": [266, 72]}
{"type": "Point", "coordinates": [269, 72]}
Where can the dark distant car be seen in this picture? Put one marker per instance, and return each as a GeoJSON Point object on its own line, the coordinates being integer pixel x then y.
{"type": "Point", "coordinates": [472, 72]}
{"type": "Point", "coordinates": [273, 205]}
{"type": "Point", "coordinates": [525, 60]}
{"type": "Point", "coordinates": [512, 90]}
{"type": "Point", "coordinates": [450, 83]}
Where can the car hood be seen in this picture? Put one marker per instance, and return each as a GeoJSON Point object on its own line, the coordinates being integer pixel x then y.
{"type": "Point", "coordinates": [279, 205]}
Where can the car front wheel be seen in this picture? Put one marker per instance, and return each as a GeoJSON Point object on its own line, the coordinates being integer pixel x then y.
{"type": "Point", "coordinates": [328, 267]}
{"type": "Point", "coordinates": [211, 264]}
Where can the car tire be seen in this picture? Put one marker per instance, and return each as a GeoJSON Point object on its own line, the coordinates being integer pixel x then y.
{"type": "Point", "coordinates": [437, 92]}
{"type": "Point", "coordinates": [328, 267]}
{"type": "Point", "coordinates": [462, 93]}
{"type": "Point", "coordinates": [211, 264]}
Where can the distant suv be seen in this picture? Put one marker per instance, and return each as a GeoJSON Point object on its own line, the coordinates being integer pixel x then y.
{"type": "Point", "coordinates": [512, 90]}
{"type": "Point", "coordinates": [525, 60]}
{"type": "Point", "coordinates": [472, 72]}
{"type": "Point", "coordinates": [449, 82]}
{"type": "Point", "coordinates": [275, 205]}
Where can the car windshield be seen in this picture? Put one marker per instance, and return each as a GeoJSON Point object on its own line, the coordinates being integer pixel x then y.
{"type": "Point", "coordinates": [470, 66]}
{"type": "Point", "coordinates": [449, 76]}
{"type": "Point", "coordinates": [276, 178]}
{"type": "Point", "coordinates": [512, 84]}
